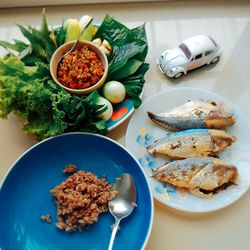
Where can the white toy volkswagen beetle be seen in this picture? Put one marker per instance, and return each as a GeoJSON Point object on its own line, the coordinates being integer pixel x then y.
{"type": "Point", "coordinates": [192, 53]}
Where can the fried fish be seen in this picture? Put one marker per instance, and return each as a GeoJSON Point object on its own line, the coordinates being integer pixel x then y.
{"type": "Point", "coordinates": [192, 143]}
{"type": "Point", "coordinates": [203, 177]}
{"type": "Point", "coordinates": [194, 114]}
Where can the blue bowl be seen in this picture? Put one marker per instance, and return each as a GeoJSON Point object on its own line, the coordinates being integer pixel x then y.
{"type": "Point", "coordinates": [25, 196]}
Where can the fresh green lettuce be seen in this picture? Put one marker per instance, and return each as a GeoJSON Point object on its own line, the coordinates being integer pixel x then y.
{"type": "Point", "coordinates": [45, 109]}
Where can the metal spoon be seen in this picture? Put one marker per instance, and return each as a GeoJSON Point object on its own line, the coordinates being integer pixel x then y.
{"type": "Point", "coordinates": [76, 42]}
{"type": "Point", "coordinates": [123, 204]}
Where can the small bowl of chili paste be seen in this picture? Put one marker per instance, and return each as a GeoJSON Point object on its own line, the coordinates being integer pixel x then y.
{"type": "Point", "coordinates": [83, 70]}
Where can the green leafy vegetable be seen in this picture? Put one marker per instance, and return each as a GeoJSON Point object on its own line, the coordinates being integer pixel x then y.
{"type": "Point", "coordinates": [44, 26]}
{"type": "Point", "coordinates": [45, 109]}
{"type": "Point", "coordinates": [114, 32]}
{"type": "Point", "coordinates": [28, 90]}
{"type": "Point", "coordinates": [126, 43]}
{"type": "Point", "coordinates": [128, 69]}
{"type": "Point", "coordinates": [134, 84]}
{"type": "Point", "coordinates": [122, 54]}
{"type": "Point", "coordinates": [34, 41]}
{"type": "Point", "coordinates": [17, 46]}
{"type": "Point", "coordinates": [129, 52]}
{"type": "Point", "coordinates": [42, 45]}
{"type": "Point", "coordinates": [31, 59]}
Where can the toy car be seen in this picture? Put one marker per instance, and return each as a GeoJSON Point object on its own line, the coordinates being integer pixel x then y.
{"type": "Point", "coordinates": [192, 53]}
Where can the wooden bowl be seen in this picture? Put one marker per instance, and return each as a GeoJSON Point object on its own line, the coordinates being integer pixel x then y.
{"type": "Point", "coordinates": [66, 47]}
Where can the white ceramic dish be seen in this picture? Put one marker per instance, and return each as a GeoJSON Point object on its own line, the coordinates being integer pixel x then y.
{"type": "Point", "coordinates": [142, 132]}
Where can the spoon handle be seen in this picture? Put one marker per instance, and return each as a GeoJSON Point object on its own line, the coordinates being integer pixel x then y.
{"type": "Point", "coordinates": [115, 228]}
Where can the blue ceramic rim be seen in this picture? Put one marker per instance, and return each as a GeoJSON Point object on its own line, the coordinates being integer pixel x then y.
{"type": "Point", "coordinates": [124, 118]}
{"type": "Point", "coordinates": [105, 138]}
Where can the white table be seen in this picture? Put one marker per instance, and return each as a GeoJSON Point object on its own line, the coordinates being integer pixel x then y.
{"type": "Point", "coordinates": [168, 23]}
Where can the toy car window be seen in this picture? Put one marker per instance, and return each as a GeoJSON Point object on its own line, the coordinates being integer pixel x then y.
{"type": "Point", "coordinates": [185, 50]}
{"type": "Point", "coordinates": [198, 56]}
{"type": "Point", "coordinates": [208, 53]}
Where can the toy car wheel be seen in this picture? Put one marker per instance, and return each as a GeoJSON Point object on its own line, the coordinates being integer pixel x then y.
{"type": "Point", "coordinates": [215, 60]}
{"type": "Point", "coordinates": [178, 75]}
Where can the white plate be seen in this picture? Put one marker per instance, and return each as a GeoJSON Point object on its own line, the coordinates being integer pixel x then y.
{"type": "Point", "coordinates": [142, 132]}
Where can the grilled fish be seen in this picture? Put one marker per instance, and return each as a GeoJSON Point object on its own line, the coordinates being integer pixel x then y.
{"type": "Point", "coordinates": [192, 143]}
{"type": "Point", "coordinates": [203, 177]}
{"type": "Point", "coordinates": [194, 114]}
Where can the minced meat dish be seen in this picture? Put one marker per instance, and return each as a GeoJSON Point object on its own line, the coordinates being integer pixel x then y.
{"type": "Point", "coordinates": [80, 199]}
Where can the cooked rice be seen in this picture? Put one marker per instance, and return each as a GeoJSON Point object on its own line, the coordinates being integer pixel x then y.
{"type": "Point", "coordinates": [80, 199]}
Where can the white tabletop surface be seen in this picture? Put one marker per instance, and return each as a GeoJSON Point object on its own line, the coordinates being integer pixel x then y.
{"type": "Point", "coordinates": [167, 24]}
